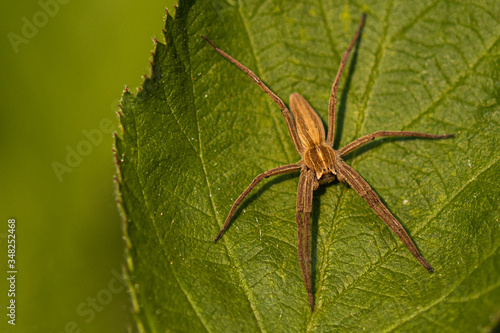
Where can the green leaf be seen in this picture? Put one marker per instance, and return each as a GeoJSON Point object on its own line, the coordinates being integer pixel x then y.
{"type": "Point", "coordinates": [199, 131]}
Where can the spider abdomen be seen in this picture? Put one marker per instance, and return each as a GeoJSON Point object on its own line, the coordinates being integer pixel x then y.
{"type": "Point", "coordinates": [320, 159]}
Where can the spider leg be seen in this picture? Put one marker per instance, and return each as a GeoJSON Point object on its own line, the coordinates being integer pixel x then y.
{"type": "Point", "coordinates": [303, 216]}
{"type": "Point", "coordinates": [272, 172]}
{"type": "Point", "coordinates": [367, 138]}
{"type": "Point", "coordinates": [284, 110]}
{"type": "Point", "coordinates": [349, 175]}
{"type": "Point", "coordinates": [333, 94]}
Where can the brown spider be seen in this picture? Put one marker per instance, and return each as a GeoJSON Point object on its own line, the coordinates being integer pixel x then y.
{"type": "Point", "coordinates": [320, 164]}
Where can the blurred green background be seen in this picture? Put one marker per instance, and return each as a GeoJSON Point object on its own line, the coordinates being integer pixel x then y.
{"type": "Point", "coordinates": [65, 79]}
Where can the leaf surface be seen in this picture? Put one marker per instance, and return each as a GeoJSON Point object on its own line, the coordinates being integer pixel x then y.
{"type": "Point", "coordinates": [199, 131]}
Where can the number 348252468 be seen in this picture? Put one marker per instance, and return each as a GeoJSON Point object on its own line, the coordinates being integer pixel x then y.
{"type": "Point", "coordinates": [11, 240]}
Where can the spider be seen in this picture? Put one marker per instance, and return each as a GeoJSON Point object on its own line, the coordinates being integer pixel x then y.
{"type": "Point", "coordinates": [321, 164]}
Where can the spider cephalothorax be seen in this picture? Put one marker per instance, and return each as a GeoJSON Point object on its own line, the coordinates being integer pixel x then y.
{"type": "Point", "coordinates": [321, 164]}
